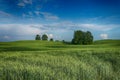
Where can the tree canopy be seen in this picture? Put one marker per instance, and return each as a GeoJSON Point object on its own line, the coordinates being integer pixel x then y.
{"type": "Point", "coordinates": [51, 39]}
{"type": "Point", "coordinates": [44, 37]}
{"type": "Point", "coordinates": [81, 37]}
{"type": "Point", "coordinates": [37, 37]}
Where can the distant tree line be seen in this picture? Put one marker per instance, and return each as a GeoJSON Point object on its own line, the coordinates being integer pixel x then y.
{"type": "Point", "coordinates": [81, 37]}
{"type": "Point", "coordinates": [43, 37]}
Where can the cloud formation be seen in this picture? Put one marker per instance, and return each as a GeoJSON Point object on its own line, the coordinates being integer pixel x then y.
{"type": "Point", "coordinates": [48, 16]}
{"type": "Point", "coordinates": [50, 35]}
{"type": "Point", "coordinates": [104, 36]}
{"type": "Point", "coordinates": [17, 31]}
{"type": "Point", "coordinates": [23, 3]}
{"type": "Point", "coordinates": [22, 31]}
{"type": "Point", "coordinates": [27, 1]}
{"type": "Point", "coordinates": [28, 31]}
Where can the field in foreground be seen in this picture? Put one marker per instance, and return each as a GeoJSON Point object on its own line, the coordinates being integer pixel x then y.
{"type": "Point", "coordinates": [41, 60]}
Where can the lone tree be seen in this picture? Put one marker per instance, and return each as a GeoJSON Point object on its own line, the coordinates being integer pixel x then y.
{"type": "Point", "coordinates": [51, 39]}
{"type": "Point", "coordinates": [37, 37]}
{"type": "Point", "coordinates": [44, 37]}
{"type": "Point", "coordinates": [81, 37]}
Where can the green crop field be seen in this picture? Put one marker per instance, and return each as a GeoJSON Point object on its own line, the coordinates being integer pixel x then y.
{"type": "Point", "coordinates": [45, 60]}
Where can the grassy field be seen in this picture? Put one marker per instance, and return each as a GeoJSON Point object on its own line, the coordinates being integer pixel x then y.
{"type": "Point", "coordinates": [44, 60]}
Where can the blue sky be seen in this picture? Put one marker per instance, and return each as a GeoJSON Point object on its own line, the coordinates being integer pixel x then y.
{"type": "Point", "coordinates": [23, 19]}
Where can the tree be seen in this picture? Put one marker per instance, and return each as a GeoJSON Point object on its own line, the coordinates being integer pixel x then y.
{"type": "Point", "coordinates": [78, 37]}
{"type": "Point", "coordinates": [51, 39]}
{"type": "Point", "coordinates": [81, 37]}
{"type": "Point", "coordinates": [63, 41]}
{"type": "Point", "coordinates": [44, 37]}
{"type": "Point", "coordinates": [89, 37]}
{"type": "Point", "coordinates": [37, 37]}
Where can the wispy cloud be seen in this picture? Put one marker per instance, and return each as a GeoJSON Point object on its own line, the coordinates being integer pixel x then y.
{"type": "Point", "coordinates": [55, 25]}
{"type": "Point", "coordinates": [49, 16]}
{"type": "Point", "coordinates": [40, 15]}
{"type": "Point", "coordinates": [20, 29]}
{"type": "Point", "coordinates": [73, 26]}
{"type": "Point", "coordinates": [67, 28]}
{"type": "Point", "coordinates": [6, 37]}
{"type": "Point", "coordinates": [17, 31]}
{"type": "Point", "coordinates": [37, 13]}
{"type": "Point", "coordinates": [32, 9]}
{"type": "Point", "coordinates": [27, 1]}
{"type": "Point", "coordinates": [5, 14]}
{"type": "Point", "coordinates": [97, 27]}
{"type": "Point", "coordinates": [23, 3]}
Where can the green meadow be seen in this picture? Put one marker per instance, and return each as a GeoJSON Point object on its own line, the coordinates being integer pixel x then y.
{"type": "Point", "coordinates": [45, 60]}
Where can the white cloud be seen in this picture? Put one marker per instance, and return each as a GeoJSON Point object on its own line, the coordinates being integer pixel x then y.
{"type": "Point", "coordinates": [96, 27]}
{"type": "Point", "coordinates": [104, 36]}
{"type": "Point", "coordinates": [19, 29]}
{"type": "Point", "coordinates": [21, 4]}
{"type": "Point", "coordinates": [27, 1]}
{"type": "Point", "coordinates": [56, 28]}
{"type": "Point", "coordinates": [50, 35]}
{"type": "Point", "coordinates": [49, 16]}
{"type": "Point", "coordinates": [43, 15]}
{"type": "Point", "coordinates": [73, 26]}
{"type": "Point", "coordinates": [6, 37]}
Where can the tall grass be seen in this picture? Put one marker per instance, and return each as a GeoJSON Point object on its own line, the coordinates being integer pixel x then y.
{"type": "Point", "coordinates": [60, 65]}
{"type": "Point", "coordinates": [43, 60]}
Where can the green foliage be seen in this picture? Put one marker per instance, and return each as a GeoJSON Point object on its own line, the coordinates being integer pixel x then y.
{"type": "Point", "coordinates": [47, 60]}
{"type": "Point", "coordinates": [81, 37]}
{"type": "Point", "coordinates": [37, 37]}
{"type": "Point", "coordinates": [78, 35]}
{"type": "Point", "coordinates": [44, 37]}
{"type": "Point", "coordinates": [88, 38]}
{"type": "Point", "coordinates": [51, 39]}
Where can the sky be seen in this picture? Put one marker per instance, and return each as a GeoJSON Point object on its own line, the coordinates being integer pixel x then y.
{"type": "Point", "coordinates": [23, 19]}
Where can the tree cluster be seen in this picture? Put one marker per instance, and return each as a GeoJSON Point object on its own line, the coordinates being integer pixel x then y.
{"type": "Point", "coordinates": [43, 37]}
{"type": "Point", "coordinates": [81, 37]}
